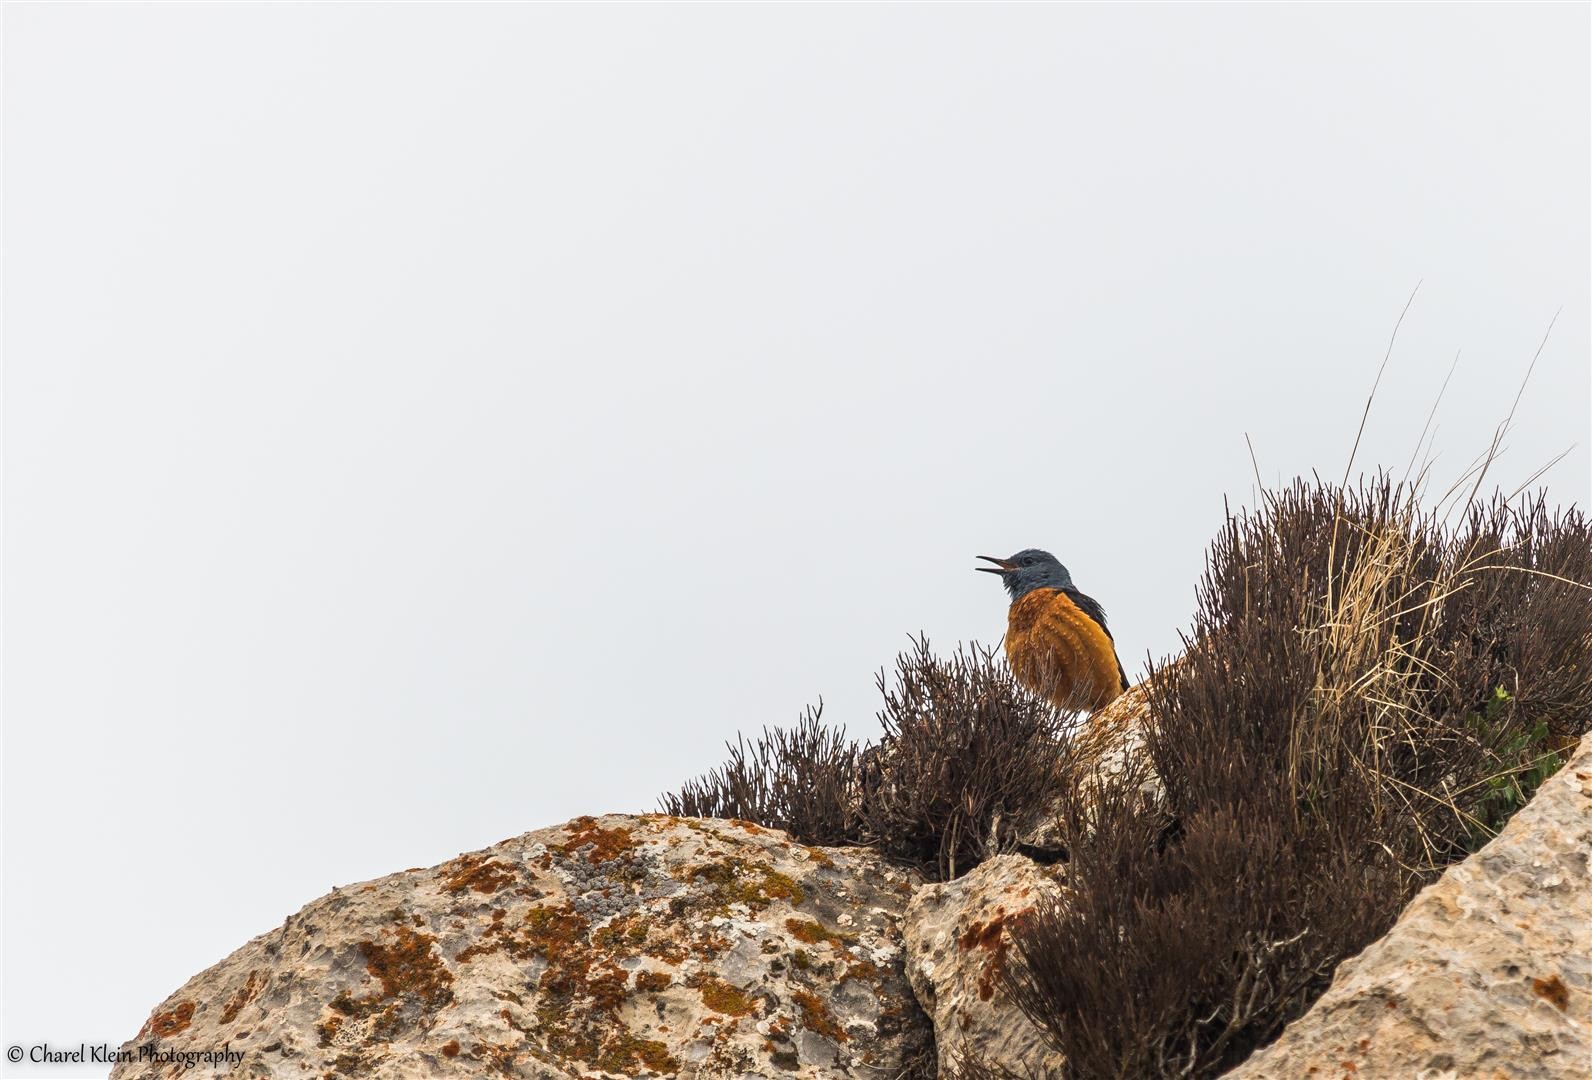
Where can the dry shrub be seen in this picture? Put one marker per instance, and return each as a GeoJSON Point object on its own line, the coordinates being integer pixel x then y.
{"type": "Point", "coordinates": [803, 780]}
{"type": "Point", "coordinates": [1367, 694]}
{"type": "Point", "coordinates": [1365, 697]}
{"type": "Point", "coordinates": [966, 761]}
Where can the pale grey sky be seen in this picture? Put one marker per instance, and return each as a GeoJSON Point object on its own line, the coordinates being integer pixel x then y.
{"type": "Point", "coordinates": [428, 423]}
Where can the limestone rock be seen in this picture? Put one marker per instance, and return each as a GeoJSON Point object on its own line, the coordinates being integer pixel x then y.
{"type": "Point", "coordinates": [956, 942]}
{"type": "Point", "coordinates": [1113, 740]}
{"type": "Point", "coordinates": [1487, 974]}
{"type": "Point", "coordinates": [608, 947]}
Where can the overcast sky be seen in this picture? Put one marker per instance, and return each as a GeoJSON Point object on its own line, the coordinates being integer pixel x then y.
{"type": "Point", "coordinates": [429, 423]}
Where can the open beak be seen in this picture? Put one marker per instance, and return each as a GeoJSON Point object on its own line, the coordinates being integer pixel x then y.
{"type": "Point", "coordinates": [1000, 567]}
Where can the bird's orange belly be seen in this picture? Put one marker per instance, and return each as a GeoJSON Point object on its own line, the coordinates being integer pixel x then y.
{"type": "Point", "coordinates": [1060, 653]}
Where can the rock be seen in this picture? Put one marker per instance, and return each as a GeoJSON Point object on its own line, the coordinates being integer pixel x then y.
{"type": "Point", "coordinates": [1113, 741]}
{"type": "Point", "coordinates": [1488, 973]}
{"type": "Point", "coordinates": [956, 942]}
{"type": "Point", "coordinates": [1114, 738]}
{"type": "Point", "coordinates": [615, 946]}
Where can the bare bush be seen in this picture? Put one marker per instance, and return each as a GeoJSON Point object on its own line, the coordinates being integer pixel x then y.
{"type": "Point", "coordinates": [1365, 696]}
{"type": "Point", "coordinates": [803, 780]}
{"type": "Point", "coordinates": [968, 757]}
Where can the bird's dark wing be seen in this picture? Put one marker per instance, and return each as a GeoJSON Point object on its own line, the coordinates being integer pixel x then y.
{"type": "Point", "coordinates": [1090, 607]}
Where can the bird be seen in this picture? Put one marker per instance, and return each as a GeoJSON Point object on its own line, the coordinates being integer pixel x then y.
{"type": "Point", "coordinates": [1057, 644]}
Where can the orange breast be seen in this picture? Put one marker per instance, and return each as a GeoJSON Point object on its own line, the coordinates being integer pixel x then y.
{"type": "Point", "coordinates": [1060, 653]}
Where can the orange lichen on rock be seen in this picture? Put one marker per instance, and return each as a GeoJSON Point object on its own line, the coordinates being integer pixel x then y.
{"type": "Point", "coordinates": [990, 937]}
{"type": "Point", "coordinates": [818, 857]}
{"type": "Point", "coordinates": [622, 934]}
{"type": "Point", "coordinates": [862, 970]}
{"type": "Point", "coordinates": [245, 994]}
{"type": "Point", "coordinates": [557, 933]}
{"type": "Point", "coordinates": [327, 1029]}
{"type": "Point", "coordinates": [411, 977]}
{"type": "Point", "coordinates": [497, 1057]}
{"type": "Point", "coordinates": [670, 952]}
{"type": "Point", "coordinates": [175, 1019]}
{"type": "Point", "coordinates": [623, 1054]}
{"type": "Point", "coordinates": [737, 881]}
{"type": "Point", "coordinates": [812, 932]}
{"type": "Point", "coordinates": [816, 1016]}
{"type": "Point", "coordinates": [985, 935]}
{"type": "Point", "coordinates": [723, 998]}
{"type": "Point", "coordinates": [607, 844]}
{"type": "Point", "coordinates": [450, 1048]}
{"type": "Point", "coordinates": [407, 965]}
{"type": "Point", "coordinates": [549, 932]}
{"type": "Point", "coordinates": [651, 982]}
{"type": "Point", "coordinates": [1553, 990]}
{"type": "Point", "coordinates": [581, 989]}
{"type": "Point", "coordinates": [479, 873]}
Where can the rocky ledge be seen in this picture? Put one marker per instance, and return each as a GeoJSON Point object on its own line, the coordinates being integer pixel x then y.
{"type": "Point", "coordinates": [1487, 974]}
{"type": "Point", "coordinates": [613, 946]}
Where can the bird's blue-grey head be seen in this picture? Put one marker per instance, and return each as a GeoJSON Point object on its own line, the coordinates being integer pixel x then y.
{"type": "Point", "coordinates": [1028, 570]}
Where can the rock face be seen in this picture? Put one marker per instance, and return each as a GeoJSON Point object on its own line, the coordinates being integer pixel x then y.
{"type": "Point", "coordinates": [1487, 974]}
{"type": "Point", "coordinates": [1112, 741]}
{"type": "Point", "coordinates": [607, 947]}
{"type": "Point", "coordinates": [956, 939]}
